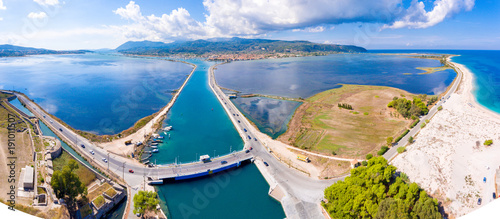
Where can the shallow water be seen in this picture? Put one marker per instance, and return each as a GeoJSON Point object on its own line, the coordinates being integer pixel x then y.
{"type": "Point", "coordinates": [306, 76]}
{"type": "Point", "coordinates": [271, 116]}
{"type": "Point", "coordinates": [104, 94]}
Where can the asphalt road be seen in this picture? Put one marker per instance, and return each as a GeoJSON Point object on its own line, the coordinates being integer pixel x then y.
{"type": "Point", "coordinates": [392, 152]}
{"type": "Point", "coordinates": [305, 193]}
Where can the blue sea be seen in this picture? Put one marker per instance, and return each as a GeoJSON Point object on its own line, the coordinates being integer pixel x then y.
{"type": "Point", "coordinates": [103, 94]}
{"type": "Point", "coordinates": [484, 64]}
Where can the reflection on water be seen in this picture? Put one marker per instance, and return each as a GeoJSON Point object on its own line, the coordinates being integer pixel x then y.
{"type": "Point", "coordinates": [104, 94]}
{"type": "Point", "coordinates": [306, 76]}
{"type": "Point", "coordinates": [271, 116]}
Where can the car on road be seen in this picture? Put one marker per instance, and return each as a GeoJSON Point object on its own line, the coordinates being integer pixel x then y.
{"type": "Point", "coordinates": [104, 160]}
{"type": "Point", "coordinates": [245, 130]}
{"type": "Point", "coordinates": [247, 151]}
{"type": "Point", "coordinates": [43, 116]}
{"type": "Point", "coordinates": [223, 162]}
{"type": "Point", "coordinates": [255, 139]}
{"type": "Point", "coordinates": [92, 152]}
{"type": "Point", "coordinates": [131, 171]}
{"type": "Point", "coordinates": [265, 163]}
{"type": "Point", "coordinates": [238, 121]}
{"type": "Point", "coordinates": [60, 129]}
{"type": "Point", "coordinates": [83, 146]}
{"type": "Point", "coordinates": [484, 179]}
{"type": "Point", "coordinates": [234, 114]}
{"type": "Point", "coordinates": [494, 195]}
{"type": "Point", "coordinates": [479, 201]}
{"type": "Point", "coordinates": [249, 137]}
{"type": "Point", "coordinates": [237, 115]}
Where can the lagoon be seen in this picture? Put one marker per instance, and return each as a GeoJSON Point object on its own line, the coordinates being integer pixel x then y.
{"type": "Point", "coordinates": [99, 93]}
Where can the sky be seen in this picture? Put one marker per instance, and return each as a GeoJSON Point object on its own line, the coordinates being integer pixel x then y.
{"type": "Point", "coordinates": [373, 24]}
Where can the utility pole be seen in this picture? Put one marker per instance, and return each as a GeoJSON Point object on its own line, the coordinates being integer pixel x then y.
{"type": "Point", "coordinates": [123, 170]}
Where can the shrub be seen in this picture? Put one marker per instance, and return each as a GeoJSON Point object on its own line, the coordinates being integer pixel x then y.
{"type": "Point", "coordinates": [423, 125]}
{"type": "Point", "coordinates": [355, 112]}
{"type": "Point", "coordinates": [389, 140]}
{"type": "Point", "coordinates": [369, 156]}
{"type": "Point", "coordinates": [401, 149]}
{"type": "Point", "coordinates": [414, 123]}
{"type": "Point", "coordinates": [364, 163]}
{"type": "Point", "coordinates": [333, 153]}
{"type": "Point", "coordinates": [402, 135]}
{"type": "Point", "coordinates": [440, 108]}
{"type": "Point", "coordinates": [410, 139]}
{"type": "Point", "coordinates": [488, 142]}
{"type": "Point", "coordinates": [382, 150]}
{"type": "Point", "coordinates": [426, 121]}
{"type": "Point", "coordinates": [365, 113]}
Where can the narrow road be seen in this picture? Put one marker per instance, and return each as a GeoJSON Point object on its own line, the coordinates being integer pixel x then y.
{"type": "Point", "coordinates": [393, 151]}
{"type": "Point", "coordinates": [304, 193]}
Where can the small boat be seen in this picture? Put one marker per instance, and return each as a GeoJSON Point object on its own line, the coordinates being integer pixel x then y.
{"type": "Point", "coordinates": [154, 147]}
{"type": "Point", "coordinates": [154, 144]}
{"type": "Point", "coordinates": [154, 151]}
{"type": "Point", "coordinates": [157, 141]}
{"type": "Point", "coordinates": [168, 136]}
{"type": "Point", "coordinates": [167, 128]}
{"type": "Point", "coordinates": [160, 137]}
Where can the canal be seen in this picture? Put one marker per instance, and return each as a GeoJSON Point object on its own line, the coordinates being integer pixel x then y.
{"type": "Point", "coordinates": [201, 126]}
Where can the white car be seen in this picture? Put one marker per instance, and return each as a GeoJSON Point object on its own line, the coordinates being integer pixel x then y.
{"type": "Point", "coordinates": [104, 159]}
{"type": "Point", "coordinates": [92, 152]}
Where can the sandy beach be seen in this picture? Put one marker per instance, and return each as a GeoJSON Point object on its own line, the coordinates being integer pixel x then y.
{"type": "Point", "coordinates": [448, 157]}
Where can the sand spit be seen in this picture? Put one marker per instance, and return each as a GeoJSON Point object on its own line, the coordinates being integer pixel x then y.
{"type": "Point", "coordinates": [448, 157]}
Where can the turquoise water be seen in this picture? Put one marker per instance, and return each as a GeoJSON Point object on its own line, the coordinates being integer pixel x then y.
{"type": "Point", "coordinates": [271, 116]}
{"type": "Point", "coordinates": [200, 124]}
{"type": "Point", "coordinates": [17, 104]}
{"type": "Point", "coordinates": [104, 94]}
{"type": "Point", "coordinates": [239, 193]}
{"type": "Point", "coordinates": [484, 64]}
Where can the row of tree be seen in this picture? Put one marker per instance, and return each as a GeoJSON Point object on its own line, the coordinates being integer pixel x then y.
{"type": "Point", "coordinates": [408, 108]}
{"type": "Point", "coordinates": [345, 106]}
{"type": "Point", "coordinates": [374, 191]}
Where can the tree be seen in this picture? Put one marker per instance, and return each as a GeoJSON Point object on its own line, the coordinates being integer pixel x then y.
{"type": "Point", "coordinates": [410, 139]}
{"type": "Point", "coordinates": [401, 149]}
{"type": "Point", "coordinates": [369, 156]}
{"type": "Point", "coordinates": [145, 202]}
{"type": "Point", "coordinates": [375, 191]}
{"type": "Point", "coordinates": [67, 185]}
{"type": "Point", "coordinates": [389, 141]}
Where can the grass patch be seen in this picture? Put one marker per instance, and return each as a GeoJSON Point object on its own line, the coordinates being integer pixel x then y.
{"type": "Point", "coordinates": [86, 176]}
{"type": "Point", "coordinates": [98, 191]}
{"type": "Point", "coordinates": [320, 125]}
{"type": "Point", "coordinates": [111, 192]}
{"type": "Point", "coordinates": [99, 201]}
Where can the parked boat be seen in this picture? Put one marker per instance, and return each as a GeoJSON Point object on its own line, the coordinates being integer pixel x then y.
{"type": "Point", "coordinates": [157, 141]}
{"type": "Point", "coordinates": [167, 128]}
{"type": "Point", "coordinates": [154, 151]}
{"type": "Point", "coordinates": [154, 147]}
{"type": "Point", "coordinates": [154, 144]}
{"type": "Point", "coordinates": [160, 137]}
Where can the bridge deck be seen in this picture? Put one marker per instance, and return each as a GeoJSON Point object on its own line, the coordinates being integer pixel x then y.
{"type": "Point", "coordinates": [199, 169]}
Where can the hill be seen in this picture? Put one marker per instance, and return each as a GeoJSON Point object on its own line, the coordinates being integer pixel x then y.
{"type": "Point", "coordinates": [232, 45]}
{"type": "Point", "coordinates": [7, 50]}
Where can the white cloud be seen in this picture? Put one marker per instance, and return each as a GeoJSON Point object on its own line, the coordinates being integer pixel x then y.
{"type": "Point", "coordinates": [39, 15]}
{"type": "Point", "coordinates": [47, 2]}
{"type": "Point", "coordinates": [417, 17]}
{"type": "Point", "coordinates": [2, 7]}
{"type": "Point", "coordinates": [250, 18]}
{"type": "Point", "coordinates": [311, 29]}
